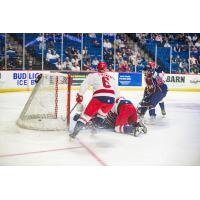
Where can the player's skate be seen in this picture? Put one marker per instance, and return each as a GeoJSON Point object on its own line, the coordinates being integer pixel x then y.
{"type": "Point", "coordinates": [91, 126]}
{"type": "Point", "coordinates": [140, 129]}
{"type": "Point", "coordinates": [77, 128]}
{"type": "Point", "coordinates": [163, 113]}
{"type": "Point", "coordinates": [152, 118]}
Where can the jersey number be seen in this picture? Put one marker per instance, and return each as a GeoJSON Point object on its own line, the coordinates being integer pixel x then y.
{"type": "Point", "coordinates": [105, 81]}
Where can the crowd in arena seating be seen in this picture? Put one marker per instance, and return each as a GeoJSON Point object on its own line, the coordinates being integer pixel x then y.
{"type": "Point", "coordinates": [121, 52]}
{"type": "Point", "coordinates": [185, 49]}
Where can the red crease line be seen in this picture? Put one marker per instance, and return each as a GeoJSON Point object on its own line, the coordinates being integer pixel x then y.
{"type": "Point", "coordinates": [92, 153]}
{"type": "Point", "coordinates": [35, 152]}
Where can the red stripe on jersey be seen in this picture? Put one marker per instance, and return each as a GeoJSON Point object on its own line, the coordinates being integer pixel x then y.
{"type": "Point", "coordinates": [104, 91]}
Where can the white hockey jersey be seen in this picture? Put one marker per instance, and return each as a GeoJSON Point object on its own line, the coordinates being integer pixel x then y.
{"type": "Point", "coordinates": [103, 85]}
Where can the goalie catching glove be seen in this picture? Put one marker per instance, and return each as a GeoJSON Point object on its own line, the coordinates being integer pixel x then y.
{"type": "Point", "coordinates": [38, 78]}
{"type": "Point", "coordinates": [79, 98]}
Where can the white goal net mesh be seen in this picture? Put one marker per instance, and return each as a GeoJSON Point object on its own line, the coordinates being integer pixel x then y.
{"type": "Point", "coordinates": [48, 105]}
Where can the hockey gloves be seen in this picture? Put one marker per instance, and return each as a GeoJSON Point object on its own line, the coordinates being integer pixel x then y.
{"type": "Point", "coordinates": [79, 98]}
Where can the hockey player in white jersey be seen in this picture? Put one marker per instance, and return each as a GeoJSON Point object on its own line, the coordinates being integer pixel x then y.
{"type": "Point", "coordinates": [104, 93]}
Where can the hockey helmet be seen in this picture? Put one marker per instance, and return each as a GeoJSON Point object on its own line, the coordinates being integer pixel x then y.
{"type": "Point", "coordinates": [152, 64]}
{"type": "Point", "coordinates": [102, 66]}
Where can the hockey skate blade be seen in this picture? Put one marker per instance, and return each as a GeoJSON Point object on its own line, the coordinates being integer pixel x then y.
{"type": "Point", "coordinates": [71, 139]}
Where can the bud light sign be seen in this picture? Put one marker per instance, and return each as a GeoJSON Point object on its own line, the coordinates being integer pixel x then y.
{"type": "Point", "coordinates": [23, 78]}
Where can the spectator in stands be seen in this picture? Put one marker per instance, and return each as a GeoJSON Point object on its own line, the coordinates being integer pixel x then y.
{"type": "Point", "coordinates": [51, 55]}
{"type": "Point", "coordinates": [123, 67]}
{"type": "Point", "coordinates": [194, 38]}
{"type": "Point", "coordinates": [110, 68]}
{"type": "Point", "coordinates": [197, 44]}
{"type": "Point", "coordinates": [96, 43]}
{"type": "Point", "coordinates": [95, 62]}
{"type": "Point", "coordinates": [194, 49]}
{"type": "Point", "coordinates": [85, 52]}
{"type": "Point", "coordinates": [158, 38]}
{"type": "Point", "coordinates": [183, 67]}
{"type": "Point", "coordinates": [184, 48]}
{"type": "Point", "coordinates": [42, 41]}
{"type": "Point", "coordinates": [173, 60]}
{"type": "Point", "coordinates": [109, 58]}
{"type": "Point", "coordinates": [60, 65]}
{"type": "Point", "coordinates": [10, 50]}
{"type": "Point", "coordinates": [30, 64]}
{"type": "Point", "coordinates": [55, 55]}
{"type": "Point", "coordinates": [178, 59]}
{"type": "Point", "coordinates": [79, 55]}
{"type": "Point", "coordinates": [104, 43]}
{"type": "Point", "coordinates": [188, 38]}
{"type": "Point", "coordinates": [194, 69]}
{"type": "Point", "coordinates": [40, 38]}
{"type": "Point", "coordinates": [92, 35]}
{"type": "Point", "coordinates": [75, 67]}
{"type": "Point", "coordinates": [128, 52]}
{"type": "Point", "coordinates": [75, 59]}
{"type": "Point", "coordinates": [73, 51]}
{"type": "Point", "coordinates": [133, 59]}
{"type": "Point", "coordinates": [170, 37]}
{"type": "Point", "coordinates": [67, 64]}
{"type": "Point", "coordinates": [48, 55]}
{"type": "Point", "coordinates": [120, 61]}
{"type": "Point", "coordinates": [167, 45]}
{"type": "Point", "coordinates": [19, 63]}
{"type": "Point", "coordinates": [122, 44]}
{"type": "Point", "coordinates": [192, 60]}
{"type": "Point", "coordinates": [107, 44]}
{"type": "Point", "coordinates": [142, 61]}
{"type": "Point", "coordinates": [177, 48]}
{"type": "Point", "coordinates": [124, 55]}
{"type": "Point", "coordinates": [68, 52]}
{"type": "Point", "coordinates": [118, 42]}
{"type": "Point", "coordinates": [118, 55]}
{"type": "Point", "coordinates": [87, 66]}
{"type": "Point", "coordinates": [180, 37]}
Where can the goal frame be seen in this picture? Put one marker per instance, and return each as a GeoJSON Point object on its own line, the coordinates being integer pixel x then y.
{"type": "Point", "coordinates": [57, 103]}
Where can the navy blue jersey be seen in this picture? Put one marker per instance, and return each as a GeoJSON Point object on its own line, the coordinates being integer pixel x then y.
{"type": "Point", "coordinates": [159, 69]}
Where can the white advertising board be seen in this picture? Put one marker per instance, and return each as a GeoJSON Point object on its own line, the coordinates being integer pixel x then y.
{"type": "Point", "coordinates": [183, 82]}
{"type": "Point", "coordinates": [25, 81]}
{"type": "Point", "coordinates": [17, 80]}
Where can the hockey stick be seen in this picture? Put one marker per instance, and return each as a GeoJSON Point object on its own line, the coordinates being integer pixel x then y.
{"type": "Point", "coordinates": [73, 108]}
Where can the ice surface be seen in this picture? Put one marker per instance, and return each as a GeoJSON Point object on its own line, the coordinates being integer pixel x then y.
{"type": "Point", "coordinates": [173, 140]}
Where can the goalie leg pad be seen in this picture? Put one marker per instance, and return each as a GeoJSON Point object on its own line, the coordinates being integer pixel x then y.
{"type": "Point", "coordinates": [124, 129]}
{"type": "Point", "coordinates": [99, 121]}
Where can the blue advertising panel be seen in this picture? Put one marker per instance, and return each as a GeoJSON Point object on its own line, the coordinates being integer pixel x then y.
{"type": "Point", "coordinates": [130, 79]}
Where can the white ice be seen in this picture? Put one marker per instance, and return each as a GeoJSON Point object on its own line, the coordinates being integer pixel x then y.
{"type": "Point", "coordinates": [173, 140]}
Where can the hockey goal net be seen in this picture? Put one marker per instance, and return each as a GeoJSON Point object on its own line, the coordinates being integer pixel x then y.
{"type": "Point", "coordinates": [48, 107]}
